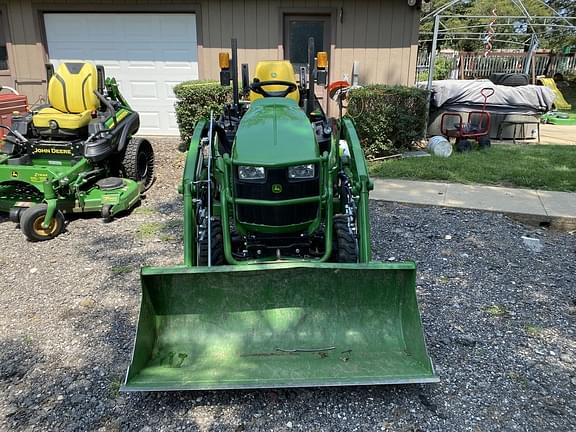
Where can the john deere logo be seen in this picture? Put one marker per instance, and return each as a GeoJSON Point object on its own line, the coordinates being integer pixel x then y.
{"type": "Point", "coordinates": [277, 188]}
{"type": "Point", "coordinates": [14, 173]}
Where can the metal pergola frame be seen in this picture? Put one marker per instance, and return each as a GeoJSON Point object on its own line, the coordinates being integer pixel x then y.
{"type": "Point", "coordinates": [523, 21]}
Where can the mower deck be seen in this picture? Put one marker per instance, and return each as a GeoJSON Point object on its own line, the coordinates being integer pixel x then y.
{"type": "Point", "coordinates": [31, 183]}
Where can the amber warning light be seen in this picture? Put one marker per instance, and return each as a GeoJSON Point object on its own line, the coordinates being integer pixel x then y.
{"type": "Point", "coordinates": [224, 60]}
{"type": "Point", "coordinates": [322, 60]}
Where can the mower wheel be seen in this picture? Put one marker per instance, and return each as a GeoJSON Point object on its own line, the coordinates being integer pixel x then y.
{"type": "Point", "coordinates": [31, 223]}
{"type": "Point", "coordinates": [484, 143]}
{"type": "Point", "coordinates": [106, 213]}
{"type": "Point", "coordinates": [138, 161]}
{"type": "Point", "coordinates": [15, 213]}
{"type": "Point", "coordinates": [463, 145]}
{"type": "Point", "coordinates": [345, 246]}
{"type": "Point", "coordinates": [217, 244]}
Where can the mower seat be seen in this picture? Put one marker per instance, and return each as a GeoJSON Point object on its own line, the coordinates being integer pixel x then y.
{"type": "Point", "coordinates": [275, 70]}
{"type": "Point", "coordinates": [71, 97]}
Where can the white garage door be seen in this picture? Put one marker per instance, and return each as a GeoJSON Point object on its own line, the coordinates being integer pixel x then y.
{"type": "Point", "coordinates": [147, 54]}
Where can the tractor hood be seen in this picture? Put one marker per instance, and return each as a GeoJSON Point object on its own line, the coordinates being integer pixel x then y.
{"type": "Point", "coordinates": [274, 131]}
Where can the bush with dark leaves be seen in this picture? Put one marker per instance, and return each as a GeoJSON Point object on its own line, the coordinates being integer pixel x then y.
{"type": "Point", "coordinates": [196, 99]}
{"type": "Point", "coordinates": [389, 119]}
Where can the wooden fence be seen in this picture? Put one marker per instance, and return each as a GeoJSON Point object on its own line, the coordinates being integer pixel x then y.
{"type": "Point", "coordinates": [469, 65]}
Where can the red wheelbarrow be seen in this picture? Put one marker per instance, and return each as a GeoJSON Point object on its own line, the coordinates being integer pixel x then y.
{"type": "Point", "coordinates": [476, 127]}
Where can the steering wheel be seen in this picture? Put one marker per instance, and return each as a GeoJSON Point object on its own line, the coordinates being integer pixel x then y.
{"type": "Point", "coordinates": [256, 87]}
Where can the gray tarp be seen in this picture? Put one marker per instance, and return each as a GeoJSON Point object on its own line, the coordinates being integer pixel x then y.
{"type": "Point", "coordinates": [529, 99]}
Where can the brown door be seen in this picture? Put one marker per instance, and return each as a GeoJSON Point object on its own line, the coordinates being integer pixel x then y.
{"type": "Point", "coordinates": [297, 30]}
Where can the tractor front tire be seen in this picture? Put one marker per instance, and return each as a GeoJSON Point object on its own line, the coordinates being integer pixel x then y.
{"type": "Point", "coordinates": [31, 223]}
{"type": "Point", "coordinates": [217, 246]}
{"type": "Point", "coordinates": [344, 245]}
{"type": "Point", "coordinates": [138, 162]}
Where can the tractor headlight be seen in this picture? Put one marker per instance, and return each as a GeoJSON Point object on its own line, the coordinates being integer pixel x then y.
{"type": "Point", "coordinates": [251, 172]}
{"type": "Point", "coordinates": [301, 171]}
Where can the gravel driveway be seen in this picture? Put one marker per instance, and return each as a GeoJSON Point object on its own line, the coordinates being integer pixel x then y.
{"type": "Point", "coordinates": [499, 320]}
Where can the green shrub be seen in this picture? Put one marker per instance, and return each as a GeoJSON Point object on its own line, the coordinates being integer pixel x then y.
{"type": "Point", "coordinates": [442, 68]}
{"type": "Point", "coordinates": [195, 101]}
{"type": "Point", "coordinates": [388, 118]}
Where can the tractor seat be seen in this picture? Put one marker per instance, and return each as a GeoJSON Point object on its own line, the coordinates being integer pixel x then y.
{"type": "Point", "coordinates": [275, 70]}
{"type": "Point", "coordinates": [72, 100]}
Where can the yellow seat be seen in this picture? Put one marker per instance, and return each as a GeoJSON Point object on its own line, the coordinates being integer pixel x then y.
{"type": "Point", "coordinates": [65, 120]}
{"type": "Point", "coordinates": [275, 70]}
{"type": "Point", "coordinates": [71, 97]}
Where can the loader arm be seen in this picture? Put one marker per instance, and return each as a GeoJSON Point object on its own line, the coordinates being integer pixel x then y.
{"type": "Point", "coordinates": [188, 189]}
{"type": "Point", "coordinates": [362, 185]}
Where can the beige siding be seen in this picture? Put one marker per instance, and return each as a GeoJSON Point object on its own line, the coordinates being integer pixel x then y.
{"type": "Point", "coordinates": [380, 34]}
{"type": "Point", "coordinates": [25, 50]}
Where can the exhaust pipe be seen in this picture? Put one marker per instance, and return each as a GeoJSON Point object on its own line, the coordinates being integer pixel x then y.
{"type": "Point", "coordinates": [311, 54]}
{"type": "Point", "coordinates": [234, 66]}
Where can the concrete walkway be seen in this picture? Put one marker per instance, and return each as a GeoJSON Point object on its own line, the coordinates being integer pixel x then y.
{"type": "Point", "coordinates": [558, 208]}
{"type": "Point", "coordinates": [556, 134]}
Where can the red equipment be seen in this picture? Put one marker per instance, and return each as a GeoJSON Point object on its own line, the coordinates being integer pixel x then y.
{"type": "Point", "coordinates": [477, 125]}
{"type": "Point", "coordinates": [10, 103]}
{"type": "Point", "coordinates": [338, 91]}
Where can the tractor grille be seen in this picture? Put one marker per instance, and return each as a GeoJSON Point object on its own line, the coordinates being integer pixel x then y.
{"type": "Point", "coordinates": [281, 215]}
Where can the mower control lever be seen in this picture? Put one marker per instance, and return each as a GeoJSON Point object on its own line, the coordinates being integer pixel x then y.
{"type": "Point", "coordinates": [256, 87]}
{"type": "Point", "coordinates": [15, 133]}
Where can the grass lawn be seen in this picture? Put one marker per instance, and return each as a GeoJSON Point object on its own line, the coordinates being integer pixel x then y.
{"type": "Point", "coordinates": [548, 167]}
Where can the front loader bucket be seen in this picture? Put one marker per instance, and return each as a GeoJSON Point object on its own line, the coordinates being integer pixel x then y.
{"type": "Point", "coordinates": [278, 325]}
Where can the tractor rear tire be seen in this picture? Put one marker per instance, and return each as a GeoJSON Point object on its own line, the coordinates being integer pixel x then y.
{"type": "Point", "coordinates": [344, 245]}
{"type": "Point", "coordinates": [138, 161]}
{"type": "Point", "coordinates": [31, 223]}
{"type": "Point", "coordinates": [217, 244]}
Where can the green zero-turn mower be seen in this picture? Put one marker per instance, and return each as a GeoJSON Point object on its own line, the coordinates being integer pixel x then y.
{"type": "Point", "coordinates": [75, 155]}
{"type": "Point", "coordinates": [277, 287]}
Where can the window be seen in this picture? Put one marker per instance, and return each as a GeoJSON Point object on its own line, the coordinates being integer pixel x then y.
{"type": "Point", "coordinates": [3, 50]}
{"type": "Point", "coordinates": [297, 30]}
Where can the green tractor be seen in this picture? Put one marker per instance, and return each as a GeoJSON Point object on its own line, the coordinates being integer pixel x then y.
{"type": "Point", "coordinates": [75, 155]}
{"type": "Point", "coordinates": [277, 288]}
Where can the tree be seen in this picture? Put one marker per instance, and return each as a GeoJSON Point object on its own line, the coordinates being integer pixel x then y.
{"type": "Point", "coordinates": [561, 38]}
{"type": "Point", "coordinates": [469, 33]}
